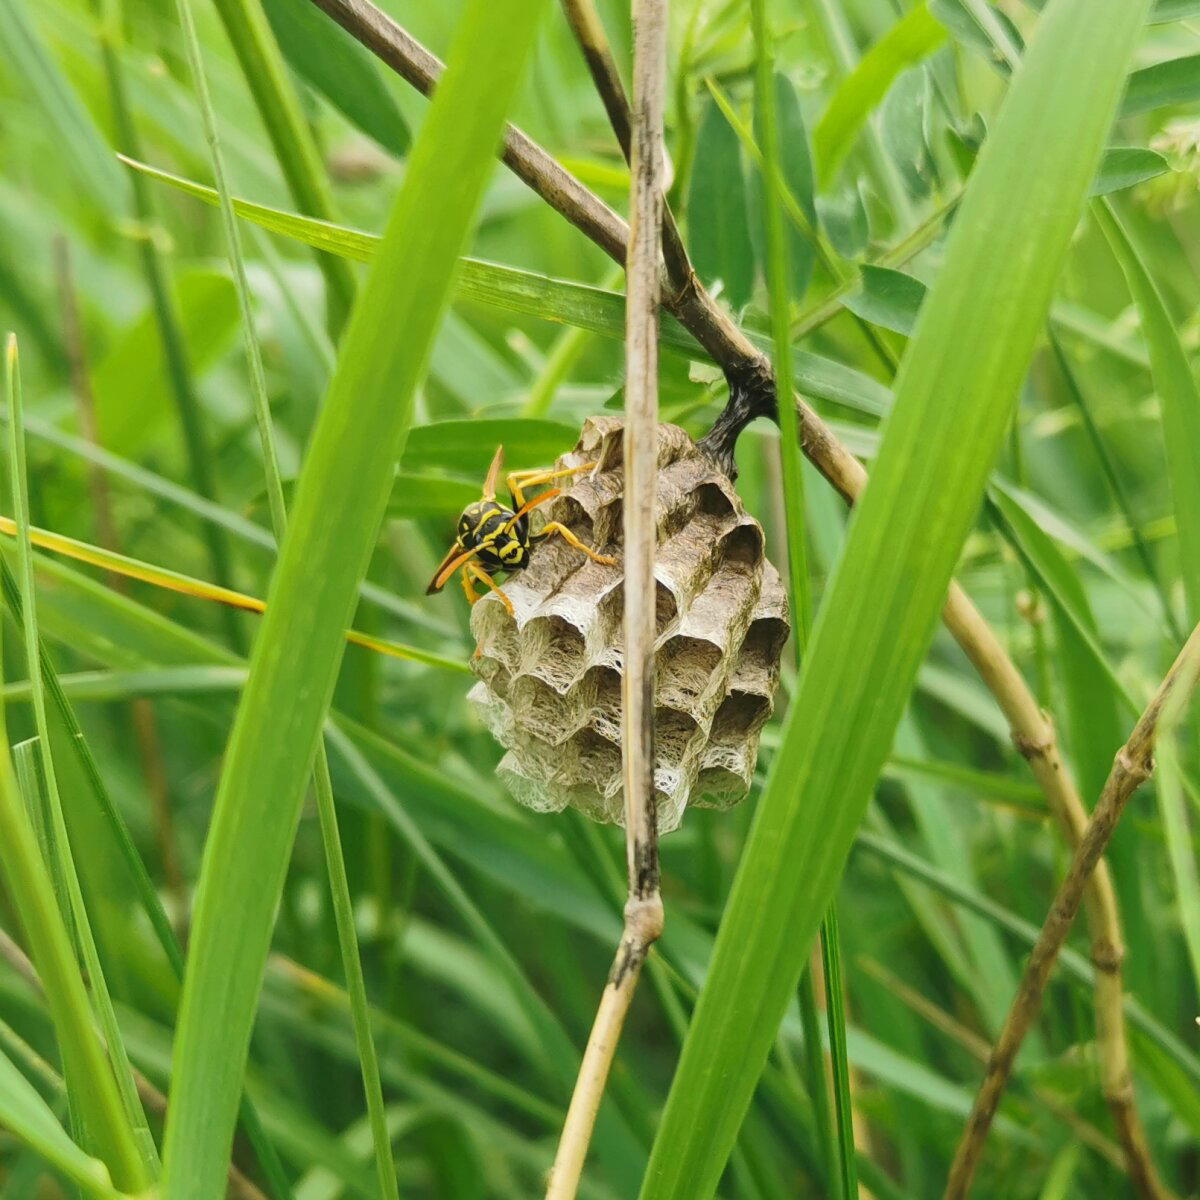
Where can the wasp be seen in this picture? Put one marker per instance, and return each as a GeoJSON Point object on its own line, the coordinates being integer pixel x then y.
{"type": "Point", "coordinates": [492, 537]}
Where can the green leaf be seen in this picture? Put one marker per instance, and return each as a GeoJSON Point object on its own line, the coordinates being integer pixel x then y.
{"type": "Point", "coordinates": [797, 170]}
{"type": "Point", "coordinates": [1127, 166]}
{"type": "Point", "coordinates": [1069, 598]}
{"type": "Point", "coordinates": [28, 1116]}
{"type": "Point", "coordinates": [132, 382]}
{"type": "Point", "coordinates": [1174, 10]}
{"type": "Point", "coordinates": [888, 298]}
{"type": "Point", "coordinates": [915, 36]}
{"type": "Point", "coordinates": [73, 133]}
{"type": "Point", "coordinates": [1181, 848]}
{"type": "Point", "coordinates": [954, 399]}
{"type": "Point", "coordinates": [903, 121]}
{"type": "Point", "coordinates": [1177, 392]}
{"type": "Point", "coordinates": [327, 58]}
{"type": "Point", "coordinates": [966, 28]}
{"type": "Point", "coordinates": [560, 300]}
{"type": "Point", "coordinates": [418, 495]}
{"type": "Point", "coordinates": [340, 501]}
{"type": "Point", "coordinates": [292, 140]}
{"type": "Point", "coordinates": [468, 446]}
{"type": "Point", "coordinates": [718, 222]}
{"type": "Point", "coordinates": [1176, 81]}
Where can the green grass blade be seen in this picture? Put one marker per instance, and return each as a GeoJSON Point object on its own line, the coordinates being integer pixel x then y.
{"type": "Point", "coordinates": [831, 960]}
{"type": "Point", "coordinates": [28, 1117]}
{"type": "Point", "coordinates": [327, 58]}
{"type": "Point", "coordinates": [266, 75]}
{"type": "Point", "coordinates": [1120, 493]}
{"type": "Point", "coordinates": [339, 503]}
{"type": "Point", "coordinates": [1178, 394]}
{"type": "Point", "coordinates": [1176, 81]}
{"type": "Point", "coordinates": [80, 142]}
{"type": "Point", "coordinates": [913, 38]}
{"type": "Point", "coordinates": [954, 398]}
{"type": "Point", "coordinates": [1181, 851]}
{"type": "Point", "coordinates": [559, 300]}
{"type": "Point", "coordinates": [778, 270]}
{"type": "Point", "coordinates": [343, 905]}
{"type": "Point", "coordinates": [61, 863]}
{"type": "Point", "coordinates": [109, 26]}
{"type": "Point", "coordinates": [90, 1080]}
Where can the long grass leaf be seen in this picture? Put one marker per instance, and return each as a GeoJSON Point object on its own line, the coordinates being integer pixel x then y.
{"type": "Point", "coordinates": [339, 503]}
{"type": "Point", "coordinates": [173, 581]}
{"type": "Point", "coordinates": [29, 1117]}
{"type": "Point", "coordinates": [954, 397]}
{"type": "Point", "coordinates": [915, 36]}
{"type": "Point", "coordinates": [343, 905]}
{"type": "Point", "coordinates": [562, 301]}
{"type": "Point", "coordinates": [1178, 394]}
{"type": "Point", "coordinates": [61, 862]}
{"type": "Point", "coordinates": [266, 75]}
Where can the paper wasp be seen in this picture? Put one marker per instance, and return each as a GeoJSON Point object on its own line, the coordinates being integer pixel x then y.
{"type": "Point", "coordinates": [492, 537]}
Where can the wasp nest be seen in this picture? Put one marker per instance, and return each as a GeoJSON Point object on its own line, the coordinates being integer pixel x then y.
{"type": "Point", "coordinates": [550, 674]}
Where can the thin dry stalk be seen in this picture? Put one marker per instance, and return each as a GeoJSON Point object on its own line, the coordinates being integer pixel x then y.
{"type": "Point", "coordinates": [643, 907]}
{"type": "Point", "coordinates": [978, 1047]}
{"type": "Point", "coordinates": [1132, 767]}
{"type": "Point", "coordinates": [752, 394]}
{"type": "Point", "coordinates": [239, 1187]}
{"type": "Point", "coordinates": [145, 724]}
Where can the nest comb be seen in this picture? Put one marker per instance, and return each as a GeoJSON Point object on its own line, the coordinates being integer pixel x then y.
{"type": "Point", "coordinates": [550, 675]}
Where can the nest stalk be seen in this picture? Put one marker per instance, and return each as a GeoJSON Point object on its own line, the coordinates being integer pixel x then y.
{"type": "Point", "coordinates": [643, 907]}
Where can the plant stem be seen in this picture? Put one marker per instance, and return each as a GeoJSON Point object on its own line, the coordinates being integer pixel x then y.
{"type": "Point", "coordinates": [1133, 765]}
{"type": "Point", "coordinates": [643, 907]}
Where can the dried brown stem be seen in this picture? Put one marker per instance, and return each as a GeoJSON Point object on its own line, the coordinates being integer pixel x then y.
{"type": "Point", "coordinates": [752, 394]}
{"type": "Point", "coordinates": [239, 1187]}
{"type": "Point", "coordinates": [1132, 767]}
{"type": "Point", "coordinates": [978, 1047]}
{"type": "Point", "coordinates": [643, 907]}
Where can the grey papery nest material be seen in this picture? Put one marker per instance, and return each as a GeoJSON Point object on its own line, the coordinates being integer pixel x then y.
{"type": "Point", "coordinates": [550, 677]}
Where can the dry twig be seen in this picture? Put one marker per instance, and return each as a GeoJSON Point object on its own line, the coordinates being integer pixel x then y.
{"type": "Point", "coordinates": [1132, 767]}
{"type": "Point", "coordinates": [643, 906]}
{"type": "Point", "coordinates": [752, 394]}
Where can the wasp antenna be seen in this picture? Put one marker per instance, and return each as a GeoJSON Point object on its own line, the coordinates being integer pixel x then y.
{"type": "Point", "coordinates": [492, 482]}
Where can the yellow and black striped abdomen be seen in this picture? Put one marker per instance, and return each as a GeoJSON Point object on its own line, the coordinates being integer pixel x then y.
{"type": "Point", "coordinates": [503, 542]}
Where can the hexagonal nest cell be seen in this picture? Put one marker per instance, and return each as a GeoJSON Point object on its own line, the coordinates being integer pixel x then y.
{"type": "Point", "coordinates": [550, 675]}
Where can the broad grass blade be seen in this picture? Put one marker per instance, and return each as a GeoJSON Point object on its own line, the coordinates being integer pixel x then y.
{"type": "Point", "coordinates": [339, 503]}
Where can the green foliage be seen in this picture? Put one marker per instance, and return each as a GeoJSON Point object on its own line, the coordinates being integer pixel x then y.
{"type": "Point", "coordinates": [484, 930]}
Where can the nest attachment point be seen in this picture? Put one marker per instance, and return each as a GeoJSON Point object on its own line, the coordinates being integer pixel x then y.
{"type": "Point", "coordinates": [550, 675]}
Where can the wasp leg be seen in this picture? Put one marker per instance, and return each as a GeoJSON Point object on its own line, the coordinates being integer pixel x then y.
{"type": "Point", "coordinates": [529, 505]}
{"type": "Point", "coordinates": [479, 573]}
{"type": "Point", "coordinates": [553, 527]}
{"type": "Point", "coordinates": [469, 587]}
{"type": "Point", "coordinates": [518, 481]}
